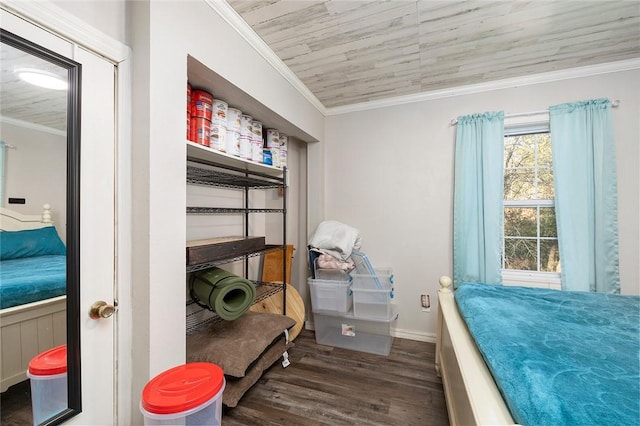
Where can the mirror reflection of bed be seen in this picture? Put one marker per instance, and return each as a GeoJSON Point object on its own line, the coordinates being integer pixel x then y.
{"type": "Point", "coordinates": [32, 290]}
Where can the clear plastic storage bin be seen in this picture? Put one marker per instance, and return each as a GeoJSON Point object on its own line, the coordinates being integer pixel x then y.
{"type": "Point", "coordinates": [382, 279]}
{"type": "Point", "coordinates": [330, 295]}
{"type": "Point", "coordinates": [346, 331]}
{"type": "Point", "coordinates": [371, 303]}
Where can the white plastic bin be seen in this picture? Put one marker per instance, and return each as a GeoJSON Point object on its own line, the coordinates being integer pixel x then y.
{"type": "Point", "coordinates": [330, 295]}
{"type": "Point", "coordinates": [189, 394]}
{"type": "Point", "coordinates": [48, 375]}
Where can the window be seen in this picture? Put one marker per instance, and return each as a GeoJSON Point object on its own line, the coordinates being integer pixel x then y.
{"type": "Point", "coordinates": [530, 235]}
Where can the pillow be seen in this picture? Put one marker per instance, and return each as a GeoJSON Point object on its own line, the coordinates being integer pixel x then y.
{"type": "Point", "coordinates": [235, 389]}
{"type": "Point", "coordinates": [236, 345]}
{"type": "Point", "coordinates": [30, 242]}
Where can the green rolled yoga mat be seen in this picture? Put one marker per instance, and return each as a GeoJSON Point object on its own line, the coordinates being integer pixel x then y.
{"type": "Point", "coordinates": [227, 294]}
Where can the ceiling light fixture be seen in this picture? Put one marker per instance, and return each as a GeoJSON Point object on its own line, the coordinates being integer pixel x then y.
{"type": "Point", "coordinates": [42, 78]}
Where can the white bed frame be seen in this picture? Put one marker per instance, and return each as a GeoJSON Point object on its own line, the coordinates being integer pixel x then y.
{"type": "Point", "coordinates": [470, 391]}
{"type": "Point", "coordinates": [27, 330]}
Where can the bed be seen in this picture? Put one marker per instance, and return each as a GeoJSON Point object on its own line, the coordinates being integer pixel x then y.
{"type": "Point", "coordinates": [559, 376]}
{"type": "Point", "coordinates": [32, 291]}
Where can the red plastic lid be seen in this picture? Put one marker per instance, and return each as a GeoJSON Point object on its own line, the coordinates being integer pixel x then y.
{"type": "Point", "coordinates": [182, 388]}
{"type": "Point", "coordinates": [48, 363]}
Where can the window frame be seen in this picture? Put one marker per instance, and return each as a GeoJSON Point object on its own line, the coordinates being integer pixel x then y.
{"type": "Point", "coordinates": [515, 127]}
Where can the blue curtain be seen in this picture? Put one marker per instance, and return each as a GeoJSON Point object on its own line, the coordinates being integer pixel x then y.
{"type": "Point", "coordinates": [584, 167]}
{"type": "Point", "coordinates": [478, 194]}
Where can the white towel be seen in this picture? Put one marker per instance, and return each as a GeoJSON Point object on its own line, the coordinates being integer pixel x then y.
{"type": "Point", "coordinates": [336, 239]}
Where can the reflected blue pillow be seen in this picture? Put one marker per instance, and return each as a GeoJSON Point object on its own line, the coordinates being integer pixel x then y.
{"type": "Point", "coordinates": [31, 242]}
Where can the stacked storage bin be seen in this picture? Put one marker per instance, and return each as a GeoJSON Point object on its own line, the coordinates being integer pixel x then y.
{"type": "Point", "coordinates": [353, 310]}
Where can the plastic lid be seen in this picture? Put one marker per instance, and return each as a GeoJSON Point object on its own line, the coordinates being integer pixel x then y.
{"type": "Point", "coordinates": [182, 388]}
{"type": "Point", "coordinates": [48, 363]}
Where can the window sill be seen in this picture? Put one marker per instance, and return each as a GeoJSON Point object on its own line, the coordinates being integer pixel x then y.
{"type": "Point", "coordinates": [550, 280]}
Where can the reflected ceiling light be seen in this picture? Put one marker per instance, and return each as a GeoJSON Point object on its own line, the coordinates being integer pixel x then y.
{"type": "Point", "coordinates": [42, 78]}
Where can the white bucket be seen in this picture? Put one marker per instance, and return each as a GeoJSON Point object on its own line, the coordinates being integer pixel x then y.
{"type": "Point", "coordinates": [245, 147]}
{"type": "Point", "coordinates": [218, 136]}
{"type": "Point", "coordinates": [233, 142]}
{"type": "Point", "coordinates": [273, 138]}
{"type": "Point", "coordinates": [233, 119]}
{"type": "Point", "coordinates": [256, 150]}
{"type": "Point", "coordinates": [283, 158]}
{"type": "Point", "coordinates": [219, 114]}
{"type": "Point", "coordinates": [246, 128]}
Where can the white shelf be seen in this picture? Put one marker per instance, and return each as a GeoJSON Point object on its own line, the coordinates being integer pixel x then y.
{"type": "Point", "coordinates": [205, 153]}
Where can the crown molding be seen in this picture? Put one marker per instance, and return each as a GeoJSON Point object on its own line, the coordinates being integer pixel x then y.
{"type": "Point", "coordinates": [47, 15]}
{"type": "Point", "coordinates": [547, 77]}
{"type": "Point", "coordinates": [246, 32]}
{"type": "Point", "coordinates": [32, 126]}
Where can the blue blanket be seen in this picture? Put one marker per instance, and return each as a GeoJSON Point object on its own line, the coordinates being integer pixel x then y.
{"type": "Point", "coordinates": [558, 357]}
{"type": "Point", "coordinates": [30, 279]}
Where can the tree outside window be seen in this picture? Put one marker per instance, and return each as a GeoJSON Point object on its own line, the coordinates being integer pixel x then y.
{"type": "Point", "coordinates": [530, 234]}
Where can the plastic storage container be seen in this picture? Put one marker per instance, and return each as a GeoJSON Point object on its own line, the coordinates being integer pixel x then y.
{"type": "Point", "coordinates": [346, 331]}
{"type": "Point", "coordinates": [330, 295]}
{"type": "Point", "coordinates": [374, 304]}
{"type": "Point", "coordinates": [189, 394]}
{"type": "Point", "coordinates": [382, 279]}
{"type": "Point", "coordinates": [48, 374]}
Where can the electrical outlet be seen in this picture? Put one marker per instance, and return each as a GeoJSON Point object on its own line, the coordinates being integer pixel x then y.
{"type": "Point", "coordinates": [425, 302]}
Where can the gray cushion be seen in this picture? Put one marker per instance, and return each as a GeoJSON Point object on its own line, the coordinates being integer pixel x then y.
{"type": "Point", "coordinates": [235, 389]}
{"type": "Point", "coordinates": [236, 345]}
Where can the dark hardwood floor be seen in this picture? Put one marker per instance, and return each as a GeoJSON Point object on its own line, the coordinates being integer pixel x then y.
{"type": "Point", "coordinates": [334, 386]}
{"type": "Point", "coordinates": [15, 405]}
{"type": "Point", "coordinates": [322, 386]}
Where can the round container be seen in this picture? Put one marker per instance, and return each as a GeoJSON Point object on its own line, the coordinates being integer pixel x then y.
{"type": "Point", "coordinates": [200, 130]}
{"type": "Point", "coordinates": [256, 150]}
{"type": "Point", "coordinates": [233, 119]}
{"type": "Point", "coordinates": [218, 137]}
{"type": "Point", "coordinates": [219, 115]}
{"type": "Point", "coordinates": [201, 104]}
{"type": "Point", "coordinates": [245, 147]}
{"type": "Point", "coordinates": [233, 142]}
{"type": "Point", "coordinates": [275, 157]}
{"type": "Point", "coordinates": [273, 138]}
{"type": "Point", "coordinates": [257, 130]}
{"type": "Point", "coordinates": [284, 142]}
{"type": "Point", "coordinates": [188, 111]}
{"type": "Point", "coordinates": [48, 375]}
{"type": "Point", "coordinates": [283, 158]}
{"type": "Point", "coordinates": [246, 128]}
{"type": "Point", "coordinates": [189, 99]}
{"type": "Point", "coordinates": [186, 394]}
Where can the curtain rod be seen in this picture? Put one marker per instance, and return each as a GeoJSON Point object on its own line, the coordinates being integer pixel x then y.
{"type": "Point", "coordinates": [614, 104]}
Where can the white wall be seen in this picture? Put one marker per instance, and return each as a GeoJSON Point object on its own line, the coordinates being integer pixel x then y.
{"type": "Point", "coordinates": [389, 172]}
{"type": "Point", "coordinates": [36, 170]}
{"type": "Point", "coordinates": [107, 16]}
{"type": "Point", "coordinates": [162, 35]}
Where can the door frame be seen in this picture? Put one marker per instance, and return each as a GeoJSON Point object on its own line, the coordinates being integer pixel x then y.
{"type": "Point", "coordinates": [47, 15]}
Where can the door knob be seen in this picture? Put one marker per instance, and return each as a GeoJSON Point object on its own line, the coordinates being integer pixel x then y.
{"type": "Point", "coordinates": [101, 309]}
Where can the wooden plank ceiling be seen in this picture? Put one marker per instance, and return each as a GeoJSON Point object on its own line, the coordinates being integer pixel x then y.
{"type": "Point", "coordinates": [352, 51]}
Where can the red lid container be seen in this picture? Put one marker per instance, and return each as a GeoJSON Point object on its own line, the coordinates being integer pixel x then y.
{"type": "Point", "coordinates": [182, 388]}
{"type": "Point", "coordinates": [49, 363]}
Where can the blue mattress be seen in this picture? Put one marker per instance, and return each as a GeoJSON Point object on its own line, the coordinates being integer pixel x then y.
{"type": "Point", "coordinates": [558, 357]}
{"type": "Point", "coordinates": [31, 279]}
